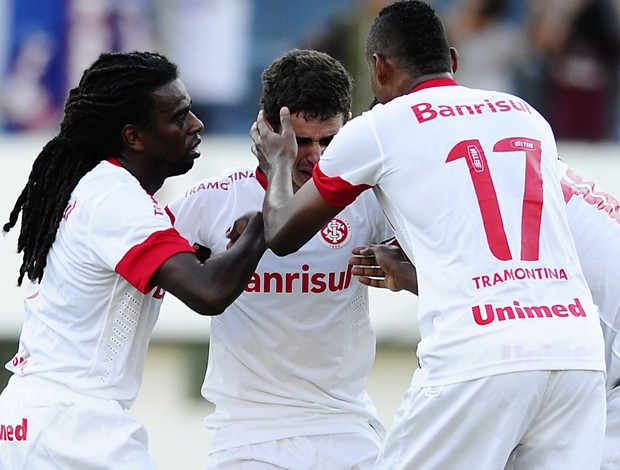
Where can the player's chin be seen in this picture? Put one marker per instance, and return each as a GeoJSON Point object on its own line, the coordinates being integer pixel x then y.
{"type": "Point", "coordinates": [305, 177]}
{"type": "Point", "coordinates": [182, 167]}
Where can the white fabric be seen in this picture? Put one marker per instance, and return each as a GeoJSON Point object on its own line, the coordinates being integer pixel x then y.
{"type": "Point", "coordinates": [291, 355]}
{"type": "Point", "coordinates": [332, 451]}
{"type": "Point", "coordinates": [594, 220]}
{"type": "Point", "coordinates": [424, 154]}
{"type": "Point", "coordinates": [611, 446]}
{"type": "Point", "coordinates": [47, 426]}
{"type": "Point", "coordinates": [88, 324]}
{"type": "Point", "coordinates": [552, 420]}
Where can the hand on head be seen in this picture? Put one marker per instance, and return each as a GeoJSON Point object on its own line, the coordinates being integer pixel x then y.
{"type": "Point", "coordinates": [270, 147]}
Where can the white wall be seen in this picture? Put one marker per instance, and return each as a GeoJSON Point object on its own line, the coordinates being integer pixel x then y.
{"type": "Point", "coordinates": [393, 313]}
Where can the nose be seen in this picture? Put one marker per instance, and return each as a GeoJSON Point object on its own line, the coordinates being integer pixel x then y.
{"type": "Point", "coordinates": [197, 126]}
{"type": "Point", "coordinates": [314, 152]}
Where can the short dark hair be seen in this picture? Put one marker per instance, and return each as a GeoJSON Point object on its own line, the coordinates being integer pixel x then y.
{"type": "Point", "coordinates": [306, 81]}
{"type": "Point", "coordinates": [114, 91]}
{"type": "Point", "coordinates": [410, 33]}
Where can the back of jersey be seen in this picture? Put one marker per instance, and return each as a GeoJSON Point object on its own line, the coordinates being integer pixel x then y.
{"type": "Point", "coordinates": [468, 179]}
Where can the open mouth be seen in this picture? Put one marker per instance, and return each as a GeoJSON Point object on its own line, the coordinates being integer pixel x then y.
{"type": "Point", "coordinates": [194, 150]}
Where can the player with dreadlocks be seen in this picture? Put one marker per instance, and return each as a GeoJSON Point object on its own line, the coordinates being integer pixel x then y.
{"type": "Point", "coordinates": [100, 252]}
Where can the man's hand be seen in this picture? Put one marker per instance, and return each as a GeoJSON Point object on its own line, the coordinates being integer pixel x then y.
{"type": "Point", "coordinates": [240, 225]}
{"type": "Point", "coordinates": [269, 147]}
{"type": "Point", "coordinates": [384, 266]}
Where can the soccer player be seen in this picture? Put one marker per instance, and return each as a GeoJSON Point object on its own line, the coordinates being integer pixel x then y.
{"type": "Point", "coordinates": [100, 252]}
{"type": "Point", "coordinates": [511, 363]}
{"type": "Point", "coordinates": [288, 360]}
{"type": "Point", "coordinates": [594, 221]}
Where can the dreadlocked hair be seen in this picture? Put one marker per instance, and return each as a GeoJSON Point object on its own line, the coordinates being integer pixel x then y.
{"type": "Point", "coordinates": [114, 91]}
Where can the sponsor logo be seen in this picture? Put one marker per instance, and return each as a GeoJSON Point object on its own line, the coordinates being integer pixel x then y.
{"type": "Point", "coordinates": [336, 233]}
{"type": "Point", "coordinates": [519, 274]}
{"type": "Point", "coordinates": [427, 112]}
{"type": "Point", "coordinates": [303, 282]}
{"type": "Point", "coordinates": [68, 210]}
{"type": "Point", "coordinates": [19, 361]}
{"type": "Point", "coordinates": [222, 184]}
{"type": "Point", "coordinates": [18, 432]}
{"type": "Point", "coordinates": [490, 313]}
{"type": "Point", "coordinates": [159, 293]}
{"type": "Point", "coordinates": [573, 184]}
{"type": "Point", "coordinates": [157, 210]}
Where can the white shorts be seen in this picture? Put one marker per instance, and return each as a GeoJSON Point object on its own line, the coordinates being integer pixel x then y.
{"type": "Point", "coordinates": [45, 425]}
{"type": "Point", "coordinates": [522, 421]}
{"type": "Point", "coordinates": [348, 451]}
{"type": "Point", "coordinates": [611, 449]}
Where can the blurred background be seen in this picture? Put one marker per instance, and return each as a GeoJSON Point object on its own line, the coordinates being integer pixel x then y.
{"type": "Point", "coordinates": [563, 56]}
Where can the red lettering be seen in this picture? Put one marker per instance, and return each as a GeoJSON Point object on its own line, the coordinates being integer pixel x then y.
{"type": "Point", "coordinates": [424, 112]}
{"type": "Point", "coordinates": [8, 432]}
{"type": "Point", "coordinates": [159, 293]}
{"type": "Point", "coordinates": [516, 311]}
{"type": "Point", "coordinates": [559, 310]}
{"type": "Point", "coordinates": [303, 282]}
{"type": "Point", "coordinates": [577, 309]}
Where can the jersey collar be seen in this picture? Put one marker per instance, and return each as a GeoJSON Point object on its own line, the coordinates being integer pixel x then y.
{"type": "Point", "coordinates": [433, 83]}
{"type": "Point", "coordinates": [113, 161]}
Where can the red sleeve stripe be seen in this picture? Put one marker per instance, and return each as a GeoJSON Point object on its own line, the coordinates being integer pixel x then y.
{"type": "Point", "coordinates": [140, 262]}
{"type": "Point", "coordinates": [335, 190]}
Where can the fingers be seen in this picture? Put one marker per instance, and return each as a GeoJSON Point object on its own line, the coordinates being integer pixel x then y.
{"type": "Point", "coordinates": [371, 282]}
{"type": "Point", "coordinates": [368, 272]}
{"type": "Point", "coordinates": [363, 261]}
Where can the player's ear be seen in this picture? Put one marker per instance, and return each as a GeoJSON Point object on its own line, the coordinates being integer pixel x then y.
{"type": "Point", "coordinates": [350, 116]}
{"type": "Point", "coordinates": [132, 137]}
{"type": "Point", "coordinates": [454, 56]}
{"type": "Point", "coordinates": [383, 68]}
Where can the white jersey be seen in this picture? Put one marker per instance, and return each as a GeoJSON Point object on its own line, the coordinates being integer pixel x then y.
{"type": "Point", "coordinates": [468, 179]}
{"type": "Point", "coordinates": [594, 220]}
{"type": "Point", "coordinates": [88, 323]}
{"type": "Point", "coordinates": [291, 355]}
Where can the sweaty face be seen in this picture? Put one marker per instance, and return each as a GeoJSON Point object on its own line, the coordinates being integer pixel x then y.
{"type": "Point", "coordinates": [312, 135]}
{"type": "Point", "coordinates": [173, 137]}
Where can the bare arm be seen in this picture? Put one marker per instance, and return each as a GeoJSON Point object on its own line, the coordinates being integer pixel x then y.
{"type": "Point", "coordinates": [290, 220]}
{"type": "Point", "coordinates": [384, 266]}
{"type": "Point", "coordinates": [210, 287]}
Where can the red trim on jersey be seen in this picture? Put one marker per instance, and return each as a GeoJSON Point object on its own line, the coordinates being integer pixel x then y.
{"type": "Point", "coordinates": [173, 219]}
{"type": "Point", "coordinates": [435, 82]}
{"type": "Point", "coordinates": [261, 178]}
{"type": "Point", "coordinates": [114, 161]}
{"type": "Point", "coordinates": [335, 190]}
{"type": "Point", "coordinates": [140, 263]}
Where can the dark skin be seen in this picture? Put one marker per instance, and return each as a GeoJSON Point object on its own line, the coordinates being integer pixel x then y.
{"type": "Point", "coordinates": [168, 147]}
{"type": "Point", "coordinates": [384, 266]}
{"type": "Point", "coordinates": [291, 221]}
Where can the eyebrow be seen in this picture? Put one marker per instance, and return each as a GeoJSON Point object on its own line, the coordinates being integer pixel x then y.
{"type": "Point", "coordinates": [183, 110]}
{"type": "Point", "coordinates": [305, 140]}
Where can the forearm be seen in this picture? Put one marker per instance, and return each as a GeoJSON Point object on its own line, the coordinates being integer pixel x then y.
{"type": "Point", "coordinates": [210, 287]}
{"type": "Point", "coordinates": [279, 193]}
{"type": "Point", "coordinates": [231, 270]}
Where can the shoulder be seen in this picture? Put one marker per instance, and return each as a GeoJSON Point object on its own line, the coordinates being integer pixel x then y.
{"type": "Point", "coordinates": [230, 180]}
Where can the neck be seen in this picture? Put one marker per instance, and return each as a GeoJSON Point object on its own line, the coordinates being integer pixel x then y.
{"type": "Point", "coordinates": [151, 183]}
{"type": "Point", "coordinates": [425, 78]}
